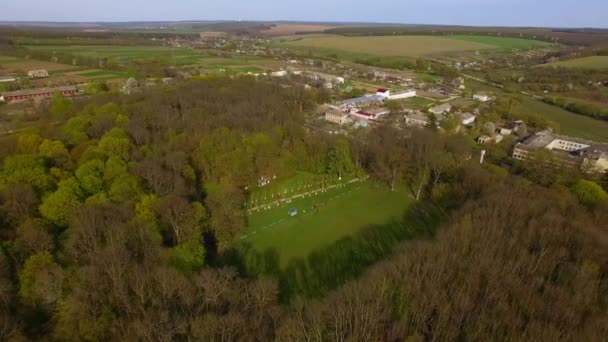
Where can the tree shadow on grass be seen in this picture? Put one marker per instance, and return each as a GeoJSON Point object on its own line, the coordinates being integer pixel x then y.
{"type": "Point", "coordinates": [329, 267]}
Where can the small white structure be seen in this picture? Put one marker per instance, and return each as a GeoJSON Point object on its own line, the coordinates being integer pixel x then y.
{"type": "Point", "coordinates": [7, 79]}
{"type": "Point", "coordinates": [38, 73]}
{"type": "Point", "coordinates": [385, 93]}
{"type": "Point", "coordinates": [482, 97]}
{"type": "Point", "coordinates": [404, 95]}
{"type": "Point", "coordinates": [279, 73]}
{"type": "Point", "coordinates": [340, 80]}
{"type": "Point", "coordinates": [467, 118]}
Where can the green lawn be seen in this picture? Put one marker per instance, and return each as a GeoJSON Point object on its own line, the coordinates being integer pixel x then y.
{"type": "Point", "coordinates": [591, 62]}
{"type": "Point", "coordinates": [323, 219]}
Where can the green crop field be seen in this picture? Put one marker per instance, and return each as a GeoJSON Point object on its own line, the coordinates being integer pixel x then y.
{"type": "Point", "coordinates": [123, 54]}
{"type": "Point", "coordinates": [323, 219]}
{"type": "Point", "coordinates": [591, 62]}
{"type": "Point", "coordinates": [505, 42]}
{"type": "Point", "coordinates": [412, 45]}
{"type": "Point", "coordinates": [569, 123]}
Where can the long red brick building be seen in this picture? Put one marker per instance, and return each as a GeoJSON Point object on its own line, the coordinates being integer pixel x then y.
{"type": "Point", "coordinates": [39, 93]}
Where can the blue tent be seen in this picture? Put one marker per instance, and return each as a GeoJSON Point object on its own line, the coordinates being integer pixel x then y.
{"type": "Point", "coordinates": [293, 212]}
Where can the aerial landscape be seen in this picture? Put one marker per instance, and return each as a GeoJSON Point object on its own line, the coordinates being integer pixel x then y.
{"type": "Point", "coordinates": [304, 171]}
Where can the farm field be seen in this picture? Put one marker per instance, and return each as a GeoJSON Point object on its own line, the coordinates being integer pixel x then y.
{"type": "Point", "coordinates": [323, 219]}
{"type": "Point", "coordinates": [591, 62]}
{"type": "Point", "coordinates": [569, 123]}
{"type": "Point", "coordinates": [124, 54]}
{"type": "Point", "coordinates": [505, 42]}
{"type": "Point", "coordinates": [180, 57]}
{"type": "Point", "coordinates": [413, 46]}
{"type": "Point", "coordinates": [290, 29]}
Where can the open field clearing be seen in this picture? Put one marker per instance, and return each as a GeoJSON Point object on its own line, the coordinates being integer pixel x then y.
{"type": "Point", "coordinates": [591, 62]}
{"type": "Point", "coordinates": [288, 29]}
{"type": "Point", "coordinates": [323, 219]}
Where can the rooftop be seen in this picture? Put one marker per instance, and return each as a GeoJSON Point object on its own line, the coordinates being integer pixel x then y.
{"type": "Point", "coordinates": [39, 91]}
{"type": "Point", "coordinates": [362, 99]}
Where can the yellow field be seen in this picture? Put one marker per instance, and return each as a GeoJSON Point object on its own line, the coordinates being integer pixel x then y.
{"type": "Point", "coordinates": [392, 45]}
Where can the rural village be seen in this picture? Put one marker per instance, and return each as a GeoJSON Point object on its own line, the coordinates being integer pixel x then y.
{"type": "Point", "coordinates": [302, 181]}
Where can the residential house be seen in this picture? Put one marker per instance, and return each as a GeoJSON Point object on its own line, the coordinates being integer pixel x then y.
{"type": "Point", "coordinates": [485, 139]}
{"type": "Point", "coordinates": [279, 73]}
{"type": "Point", "coordinates": [337, 116]}
{"type": "Point", "coordinates": [482, 97]}
{"type": "Point", "coordinates": [441, 109]}
{"type": "Point", "coordinates": [38, 73]}
{"type": "Point", "coordinates": [467, 118]}
{"type": "Point", "coordinates": [417, 119]}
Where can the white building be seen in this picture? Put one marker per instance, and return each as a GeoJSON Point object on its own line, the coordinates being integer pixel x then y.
{"type": "Point", "coordinates": [7, 79]}
{"type": "Point", "coordinates": [589, 155]}
{"type": "Point", "coordinates": [404, 95]}
{"type": "Point", "coordinates": [467, 118]}
{"type": "Point", "coordinates": [340, 80]}
{"type": "Point", "coordinates": [482, 97]}
{"type": "Point", "coordinates": [37, 73]}
{"type": "Point", "coordinates": [385, 93]}
{"type": "Point", "coordinates": [279, 73]}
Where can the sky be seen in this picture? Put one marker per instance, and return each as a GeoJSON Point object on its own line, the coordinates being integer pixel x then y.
{"type": "Point", "coordinates": [545, 13]}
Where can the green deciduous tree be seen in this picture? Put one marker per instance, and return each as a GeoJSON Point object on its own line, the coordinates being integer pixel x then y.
{"type": "Point", "coordinates": [41, 280]}
{"type": "Point", "coordinates": [60, 205]}
{"type": "Point", "coordinates": [90, 176]}
{"type": "Point", "coordinates": [589, 193]}
{"type": "Point", "coordinates": [339, 159]}
{"type": "Point", "coordinates": [25, 169]}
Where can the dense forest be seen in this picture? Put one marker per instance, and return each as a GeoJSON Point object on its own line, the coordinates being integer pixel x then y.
{"type": "Point", "coordinates": [117, 222]}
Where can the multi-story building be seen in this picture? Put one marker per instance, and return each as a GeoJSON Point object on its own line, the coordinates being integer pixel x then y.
{"type": "Point", "coordinates": [589, 155]}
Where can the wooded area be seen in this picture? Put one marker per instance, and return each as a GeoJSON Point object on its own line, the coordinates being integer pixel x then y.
{"type": "Point", "coordinates": [118, 224]}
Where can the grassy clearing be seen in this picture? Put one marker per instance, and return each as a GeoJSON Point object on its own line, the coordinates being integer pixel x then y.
{"type": "Point", "coordinates": [504, 42]}
{"type": "Point", "coordinates": [591, 62]}
{"type": "Point", "coordinates": [323, 219]}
